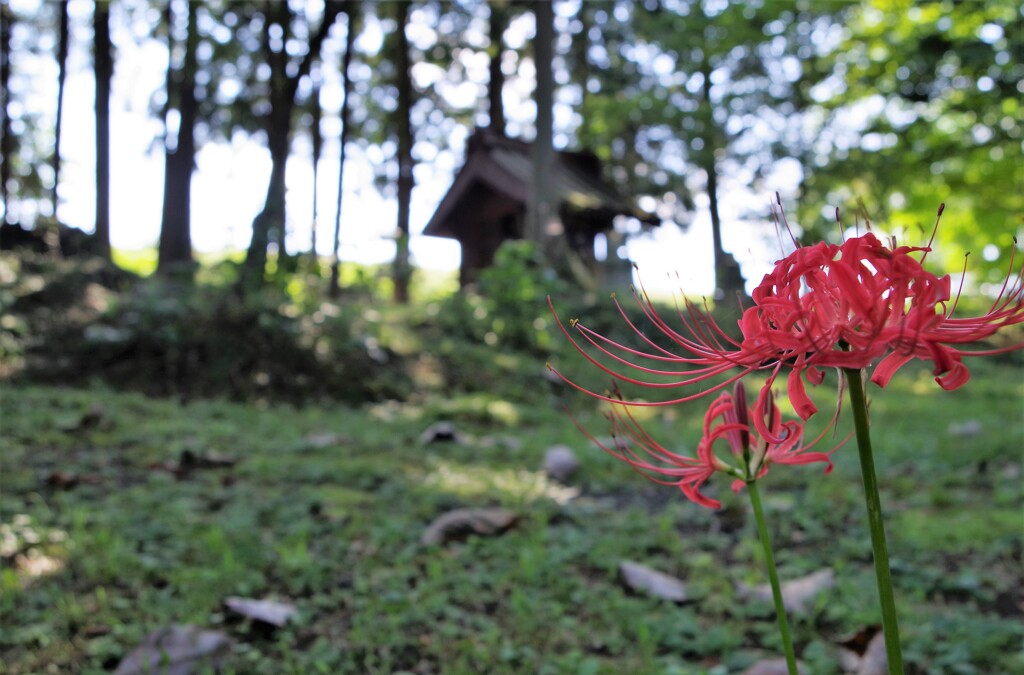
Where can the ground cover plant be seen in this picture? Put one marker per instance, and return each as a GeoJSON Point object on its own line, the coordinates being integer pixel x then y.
{"type": "Point", "coordinates": [859, 307]}
{"type": "Point", "coordinates": [122, 514]}
{"type": "Point", "coordinates": [106, 538]}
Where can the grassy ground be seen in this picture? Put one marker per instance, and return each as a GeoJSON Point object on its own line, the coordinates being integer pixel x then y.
{"type": "Point", "coordinates": [102, 543]}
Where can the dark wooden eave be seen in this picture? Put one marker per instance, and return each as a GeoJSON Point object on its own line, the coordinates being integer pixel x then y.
{"type": "Point", "coordinates": [504, 166]}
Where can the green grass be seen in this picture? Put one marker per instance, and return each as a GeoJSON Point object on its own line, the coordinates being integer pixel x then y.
{"type": "Point", "coordinates": [89, 571]}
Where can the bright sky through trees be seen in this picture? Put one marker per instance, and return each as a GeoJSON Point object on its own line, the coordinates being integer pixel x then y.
{"type": "Point", "coordinates": [228, 183]}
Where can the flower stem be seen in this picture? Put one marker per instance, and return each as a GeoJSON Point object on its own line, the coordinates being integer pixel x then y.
{"type": "Point", "coordinates": [773, 578]}
{"type": "Point", "coordinates": [891, 630]}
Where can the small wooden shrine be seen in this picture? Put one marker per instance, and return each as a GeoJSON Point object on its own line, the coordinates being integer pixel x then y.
{"type": "Point", "coordinates": [486, 204]}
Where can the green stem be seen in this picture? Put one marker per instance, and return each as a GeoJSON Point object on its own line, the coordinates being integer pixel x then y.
{"type": "Point", "coordinates": [858, 402]}
{"type": "Point", "coordinates": [773, 578]}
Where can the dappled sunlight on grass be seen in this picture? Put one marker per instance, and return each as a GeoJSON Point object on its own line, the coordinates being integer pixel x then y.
{"type": "Point", "coordinates": [506, 485]}
{"type": "Point", "coordinates": [479, 407]}
{"type": "Point", "coordinates": [958, 529]}
{"type": "Point", "coordinates": [34, 550]}
{"type": "Point", "coordinates": [138, 261]}
{"type": "Point", "coordinates": [333, 526]}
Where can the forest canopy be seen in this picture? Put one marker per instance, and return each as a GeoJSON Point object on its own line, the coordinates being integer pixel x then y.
{"type": "Point", "coordinates": [700, 111]}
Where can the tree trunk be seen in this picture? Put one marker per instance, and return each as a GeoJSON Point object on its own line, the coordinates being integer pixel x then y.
{"type": "Point", "coordinates": [175, 249]}
{"type": "Point", "coordinates": [269, 225]}
{"type": "Point", "coordinates": [727, 274]}
{"type": "Point", "coordinates": [345, 114]}
{"type": "Point", "coordinates": [317, 140]}
{"type": "Point", "coordinates": [496, 81]}
{"type": "Point", "coordinates": [103, 68]}
{"type": "Point", "coordinates": [716, 221]}
{"type": "Point", "coordinates": [581, 53]}
{"type": "Point", "coordinates": [62, 71]}
{"type": "Point", "coordinates": [6, 134]}
{"type": "Point", "coordinates": [542, 224]}
{"type": "Point", "coordinates": [402, 268]}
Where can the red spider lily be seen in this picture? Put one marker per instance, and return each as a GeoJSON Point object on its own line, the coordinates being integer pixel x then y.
{"type": "Point", "coordinates": [702, 352]}
{"type": "Point", "coordinates": [861, 304]}
{"type": "Point", "coordinates": [762, 442]}
{"type": "Point", "coordinates": [727, 419]}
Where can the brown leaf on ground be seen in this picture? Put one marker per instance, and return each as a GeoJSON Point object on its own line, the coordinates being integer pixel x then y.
{"type": "Point", "coordinates": [649, 581]}
{"type": "Point", "coordinates": [461, 523]}
{"type": "Point", "coordinates": [62, 480]}
{"type": "Point", "coordinates": [189, 461]}
{"type": "Point", "coordinates": [206, 460]}
{"type": "Point", "coordinates": [863, 653]}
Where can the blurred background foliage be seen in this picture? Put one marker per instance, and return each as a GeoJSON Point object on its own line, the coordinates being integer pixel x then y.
{"type": "Point", "coordinates": [698, 109]}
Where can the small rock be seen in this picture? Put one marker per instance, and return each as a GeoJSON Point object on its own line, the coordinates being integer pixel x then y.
{"type": "Point", "coordinates": [560, 463]}
{"type": "Point", "coordinates": [643, 579]}
{"type": "Point", "coordinates": [175, 650]}
{"type": "Point", "coordinates": [965, 429]}
{"type": "Point", "coordinates": [442, 432]}
{"type": "Point", "coordinates": [461, 523]}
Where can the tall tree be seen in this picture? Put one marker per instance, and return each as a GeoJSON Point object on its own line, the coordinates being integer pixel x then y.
{"type": "Point", "coordinates": [689, 93]}
{"type": "Point", "coordinates": [727, 277]}
{"type": "Point", "coordinates": [316, 138]}
{"type": "Point", "coordinates": [402, 272]}
{"type": "Point", "coordinates": [103, 68]}
{"type": "Point", "coordinates": [284, 77]}
{"type": "Point", "coordinates": [497, 23]}
{"type": "Point", "coordinates": [175, 248]}
{"type": "Point", "coordinates": [351, 11]}
{"type": "Point", "coordinates": [933, 90]}
{"type": "Point", "coordinates": [62, 71]}
{"type": "Point", "coordinates": [542, 224]}
{"type": "Point", "coordinates": [6, 132]}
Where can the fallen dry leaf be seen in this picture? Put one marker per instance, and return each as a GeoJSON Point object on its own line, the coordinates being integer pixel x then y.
{"type": "Point", "coordinates": [797, 594]}
{"type": "Point", "coordinates": [643, 579]}
{"type": "Point", "coordinates": [771, 667]}
{"type": "Point", "coordinates": [175, 650]}
{"type": "Point", "coordinates": [461, 523]}
{"type": "Point", "coordinates": [189, 461]}
{"type": "Point", "coordinates": [269, 612]}
{"type": "Point", "coordinates": [874, 661]}
{"type": "Point", "coordinates": [62, 480]}
{"type": "Point", "coordinates": [206, 460]}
